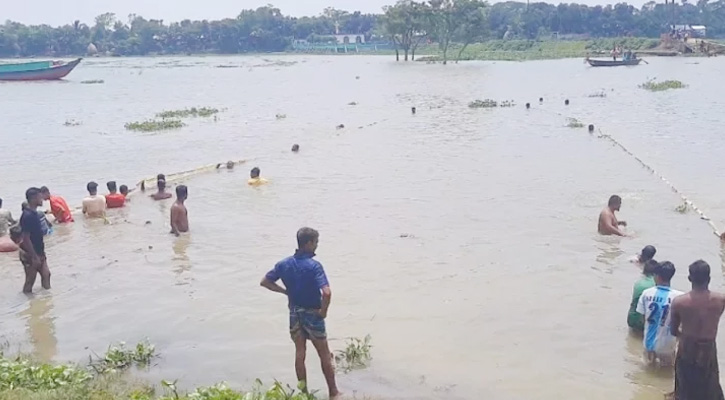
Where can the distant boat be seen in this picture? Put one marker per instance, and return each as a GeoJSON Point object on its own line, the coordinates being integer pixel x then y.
{"type": "Point", "coordinates": [612, 63]}
{"type": "Point", "coordinates": [37, 70]}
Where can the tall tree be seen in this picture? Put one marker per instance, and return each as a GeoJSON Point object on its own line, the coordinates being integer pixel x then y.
{"type": "Point", "coordinates": [472, 17]}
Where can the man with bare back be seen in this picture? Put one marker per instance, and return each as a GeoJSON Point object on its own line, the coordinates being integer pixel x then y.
{"type": "Point", "coordinates": [179, 214]}
{"type": "Point", "coordinates": [695, 318]}
{"type": "Point", "coordinates": [608, 224]}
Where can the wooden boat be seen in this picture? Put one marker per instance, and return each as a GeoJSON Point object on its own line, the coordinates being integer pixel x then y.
{"type": "Point", "coordinates": [37, 70]}
{"type": "Point", "coordinates": [612, 63]}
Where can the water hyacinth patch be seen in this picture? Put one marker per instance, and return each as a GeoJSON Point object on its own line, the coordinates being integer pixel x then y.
{"type": "Point", "coordinates": [153, 125]}
{"type": "Point", "coordinates": [574, 123]}
{"type": "Point", "coordinates": [119, 357]}
{"type": "Point", "coordinates": [356, 354]}
{"type": "Point", "coordinates": [188, 113]}
{"type": "Point", "coordinates": [487, 103]}
{"type": "Point", "coordinates": [28, 375]}
{"type": "Point", "coordinates": [654, 86]}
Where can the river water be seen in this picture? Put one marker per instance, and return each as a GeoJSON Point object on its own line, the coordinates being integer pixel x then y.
{"type": "Point", "coordinates": [462, 240]}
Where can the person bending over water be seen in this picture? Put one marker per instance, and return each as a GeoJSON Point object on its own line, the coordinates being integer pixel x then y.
{"type": "Point", "coordinates": [654, 305]}
{"type": "Point", "coordinates": [635, 320]}
{"type": "Point", "coordinates": [58, 207]}
{"type": "Point", "coordinates": [6, 220]}
{"type": "Point", "coordinates": [159, 177]}
{"type": "Point", "coordinates": [45, 225]}
{"type": "Point", "coordinates": [608, 224]}
{"type": "Point", "coordinates": [113, 198]}
{"type": "Point", "coordinates": [161, 194]}
{"type": "Point", "coordinates": [647, 253]}
{"type": "Point", "coordinates": [695, 318]}
{"type": "Point", "coordinates": [32, 243]}
{"type": "Point", "coordinates": [254, 178]}
{"type": "Point", "coordinates": [308, 293]}
{"type": "Point", "coordinates": [179, 214]}
{"type": "Point", "coordinates": [94, 206]}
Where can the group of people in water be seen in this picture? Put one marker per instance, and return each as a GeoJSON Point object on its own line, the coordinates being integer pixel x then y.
{"type": "Point", "coordinates": [678, 329]}
{"type": "Point", "coordinates": [26, 235]}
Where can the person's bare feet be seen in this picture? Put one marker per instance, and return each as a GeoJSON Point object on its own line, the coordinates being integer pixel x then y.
{"type": "Point", "coordinates": [336, 396]}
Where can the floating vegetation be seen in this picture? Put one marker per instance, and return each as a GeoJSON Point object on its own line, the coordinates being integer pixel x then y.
{"type": "Point", "coordinates": [655, 86]}
{"type": "Point", "coordinates": [72, 122]}
{"type": "Point", "coordinates": [598, 94]}
{"type": "Point", "coordinates": [275, 63]}
{"type": "Point", "coordinates": [188, 113]}
{"type": "Point", "coordinates": [28, 375]}
{"type": "Point", "coordinates": [574, 123]}
{"type": "Point", "coordinates": [682, 208]}
{"type": "Point", "coordinates": [488, 103]}
{"type": "Point", "coordinates": [154, 125]}
{"type": "Point", "coordinates": [120, 358]}
{"type": "Point", "coordinates": [281, 116]}
{"type": "Point", "coordinates": [93, 82]}
{"type": "Point", "coordinates": [428, 59]}
{"type": "Point", "coordinates": [356, 354]}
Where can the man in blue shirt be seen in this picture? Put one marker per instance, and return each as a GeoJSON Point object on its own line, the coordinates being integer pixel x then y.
{"type": "Point", "coordinates": [32, 242]}
{"type": "Point", "coordinates": [308, 293]}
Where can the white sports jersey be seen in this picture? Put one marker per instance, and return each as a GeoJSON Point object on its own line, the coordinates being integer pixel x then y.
{"type": "Point", "coordinates": [655, 304]}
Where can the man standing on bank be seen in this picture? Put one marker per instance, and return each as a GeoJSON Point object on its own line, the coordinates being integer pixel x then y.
{"type": "Point", "coordinates": [695, 318]}
{"type": "Point", "coordinates": [308, 292]}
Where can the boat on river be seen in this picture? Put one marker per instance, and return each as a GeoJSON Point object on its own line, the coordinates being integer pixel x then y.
{"type": "Point", "coordinates": [37, 70]}
{"type": "Point", "coordinates": [613, 63]}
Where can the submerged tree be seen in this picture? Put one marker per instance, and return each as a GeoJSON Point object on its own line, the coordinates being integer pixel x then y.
{"type": "Point", "coordinates": [405, 23]}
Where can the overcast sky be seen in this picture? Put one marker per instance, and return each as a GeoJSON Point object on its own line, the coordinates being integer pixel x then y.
{"type": "Point", "coordinates": [59, 12]}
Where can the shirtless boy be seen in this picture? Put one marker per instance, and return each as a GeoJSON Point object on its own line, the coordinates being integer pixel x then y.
{"type": "Point", "coordinates": [179, 215]}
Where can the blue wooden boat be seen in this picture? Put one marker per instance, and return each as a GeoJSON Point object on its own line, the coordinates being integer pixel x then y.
{"type": "Point", "coordinates": [37, 70]}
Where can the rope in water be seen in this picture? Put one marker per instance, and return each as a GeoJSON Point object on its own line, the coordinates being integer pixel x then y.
{"type": "Point", "coordinates": [654, 172]}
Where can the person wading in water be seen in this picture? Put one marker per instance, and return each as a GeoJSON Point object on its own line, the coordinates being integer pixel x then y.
{"type": "Point", "coordinates": [695, 318]}
{"type": "Point", "coordinates": [608, 224]}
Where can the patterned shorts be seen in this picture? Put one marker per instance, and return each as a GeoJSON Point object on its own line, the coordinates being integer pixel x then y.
{"type": "Point", "coordinates": [306, 322]}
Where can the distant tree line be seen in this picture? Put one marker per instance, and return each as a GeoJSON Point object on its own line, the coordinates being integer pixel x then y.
{"type": "Point", "coordinates": [407, 24]}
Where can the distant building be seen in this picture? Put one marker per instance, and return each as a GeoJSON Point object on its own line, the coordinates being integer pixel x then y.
{"type": "Point", "coordinates": [350, 39]}
{"type": "Point", "coordinates": [694, 31]}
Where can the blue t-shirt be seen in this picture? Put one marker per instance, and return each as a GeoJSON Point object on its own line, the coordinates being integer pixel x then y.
{"type": "Point", "coordinates": [303, 278]}
{"type": "Point", "coordinates": [30, 224]}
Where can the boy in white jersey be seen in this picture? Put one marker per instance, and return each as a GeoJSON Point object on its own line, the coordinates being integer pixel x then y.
{"type": "Point", "coordinates": [654, 304]}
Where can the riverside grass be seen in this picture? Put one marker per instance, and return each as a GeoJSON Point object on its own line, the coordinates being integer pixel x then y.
{"type": "Point", "coordinates": [25, 379]}
{"type": "Point", "coordinates": [525, 50]}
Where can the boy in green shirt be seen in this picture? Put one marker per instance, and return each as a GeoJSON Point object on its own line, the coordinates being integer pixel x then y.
{"type": "Point", "coordinates": [634, 319]}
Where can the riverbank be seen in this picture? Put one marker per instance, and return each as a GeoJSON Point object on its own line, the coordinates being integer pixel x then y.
{"type": "Point", "coordinates": [106, 377]}
{"type": "Point", "coordinates": [526, 50]}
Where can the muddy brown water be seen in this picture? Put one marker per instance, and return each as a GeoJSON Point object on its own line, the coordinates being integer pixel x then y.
{"type": "Point", "coordinates": [463, 241]}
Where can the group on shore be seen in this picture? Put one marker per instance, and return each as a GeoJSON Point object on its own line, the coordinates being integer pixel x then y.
{"type": "Point", "coordinates": [678, 329]}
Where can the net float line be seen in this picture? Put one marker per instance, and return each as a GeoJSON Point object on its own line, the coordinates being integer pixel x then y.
{"type": "Point", "coordinates": [685, 199]}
